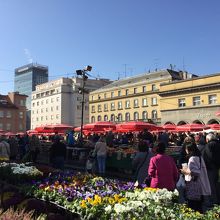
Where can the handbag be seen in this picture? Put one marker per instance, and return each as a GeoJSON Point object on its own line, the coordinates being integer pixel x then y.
{"type": "Point", "coordinates": [194, 188]}
{"type": "Point", "coordinates": [181, 182]}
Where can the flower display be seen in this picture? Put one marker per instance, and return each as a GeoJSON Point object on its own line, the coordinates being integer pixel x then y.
{"type": "Point", "coordinates": [14, 172]}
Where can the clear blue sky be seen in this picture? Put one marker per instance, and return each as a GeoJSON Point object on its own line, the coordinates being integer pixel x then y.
{"type": "Point", "coordinates": [69, 34]}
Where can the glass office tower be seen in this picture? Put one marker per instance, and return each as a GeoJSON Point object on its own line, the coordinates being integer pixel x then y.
{"type": "Point", "coordinates": [25, 81]}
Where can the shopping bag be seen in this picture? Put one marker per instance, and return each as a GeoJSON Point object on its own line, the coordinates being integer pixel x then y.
{"type": "Point", "coordinates": [193, 189]}
{"type": "Point", "coordinates": [181, 182]}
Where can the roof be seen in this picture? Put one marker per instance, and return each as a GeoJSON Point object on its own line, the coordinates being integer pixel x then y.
{"type": "Point", "coordinates": [148, 77]}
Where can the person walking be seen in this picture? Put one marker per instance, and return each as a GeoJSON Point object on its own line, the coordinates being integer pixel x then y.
{"type": "Point", "coordinates": [162, 169]}
{"type": "Point", "coordinates": [141, 162]}
{"type": "Point", "coordinates": [196, 177]}
{"type": "Point", "coordinates": [211, 155]}
{"type": "Point", "coordinates": [4, 149]}
{"type": "Point", "coordinates": [34, 147]}
{"type": "Point", "coordinates": [101, 153]}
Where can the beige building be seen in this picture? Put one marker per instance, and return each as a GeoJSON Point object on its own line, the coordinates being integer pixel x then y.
{"type": "Point", "coordinates": [193, 100]}
{"type": "Point", "coordinates": [133, 98]}
{"type": "Point", "coordinates": [59, 101]}
{"type": "Point", "coordinates": [13, 112]}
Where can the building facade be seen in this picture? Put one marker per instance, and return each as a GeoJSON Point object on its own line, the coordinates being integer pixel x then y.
{"type": "Point", "coordinates": [26, 79]}
{"type": "Point", "coordinates": [59, 101]}
{"type": "Point", "coordinates": [193, 100]}
{"type": "Point", "coordinates": [13, 112]}
{"type": "Point", "coordinates": [133, 98]}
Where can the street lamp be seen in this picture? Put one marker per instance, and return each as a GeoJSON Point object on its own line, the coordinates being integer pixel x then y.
{"type": "Point", "coordinates": [83, 74]}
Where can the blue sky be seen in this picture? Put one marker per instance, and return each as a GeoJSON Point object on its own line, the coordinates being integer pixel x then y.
{"type": "Point", "coordinates": [107, 34]}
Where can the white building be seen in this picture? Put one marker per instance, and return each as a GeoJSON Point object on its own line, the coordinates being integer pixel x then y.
{"type": "Point", "coordinates": [59, 101]}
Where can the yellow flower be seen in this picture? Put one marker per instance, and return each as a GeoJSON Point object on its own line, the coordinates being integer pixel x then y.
{"type": "Point", "coordinates": [83, 204]}
{"type": "Point", "coordinates": [111, 200]}
{"type": "Point", "coordinates": [47, 188]}
{"type": "Point", "coordinates": [116, 197]}
{"type": "Point", "coordinates": [98, 199]}
{"type": "Point", "coordinates": [122, 200]}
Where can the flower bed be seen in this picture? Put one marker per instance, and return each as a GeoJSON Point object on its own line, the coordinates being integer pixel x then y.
{"type": "Point", "coordinates": [18, 173]}
{"type": "Point", "coordinates": [101, 198]}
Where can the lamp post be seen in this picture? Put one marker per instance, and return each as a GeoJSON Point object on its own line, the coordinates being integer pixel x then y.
{"type": "Point", "coordinates": [83, 74]}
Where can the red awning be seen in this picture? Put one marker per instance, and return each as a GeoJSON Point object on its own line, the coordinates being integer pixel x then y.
{"type": "Point", "coordinates": [217, 113]}
{"type": "Point", "coordinates": [191, 127]}
{"type": "Point", "coordinates": [134, 126]}
{"type": "Point", "coordinates": [214, 126]}
{"type": "Point", "coordinates": [169, 127]}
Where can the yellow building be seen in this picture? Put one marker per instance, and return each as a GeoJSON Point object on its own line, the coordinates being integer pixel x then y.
{"type": "Point", "coordinates": [193, 100]}
{"type": "Point", "coordinates": [133, 98]}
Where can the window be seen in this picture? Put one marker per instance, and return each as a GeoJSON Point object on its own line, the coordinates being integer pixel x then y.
{"type": "Point", "coordinates": [8, 126]}
{"type": "Point", "coordinates": [42, 110]}
{"type": "Point", "coordinates": [181, 102]}
{"type": "Point", "coordinates": [196, 101]}
{"type": "Point", "coordinates": [127, 104]}
{"type": "Point", "coordinates": [37, 111]}
{"type": "Point", "coordinates": [51, 100]}
{"type": "Point", "coordinates": [120, 117]}
{"type": "Point", "coordinates": [93, 119]}
{"type": "Point", "coordinates": [144, 89]}
{"type": "Point", "coordinates": [154, 101]}
{"type": "Point", "coordinates": [42, 118]}
{"type": "Point", "coordinates": [51, 108]}
{"type": "Point", "coordinates": [33, 112]}
{"type": "Point", "coordinates": [154, 114]}
{"type": "Point", "coordinates": [154, 87]}
{"type": "Point", "coordinates": [212, 99]}
{"type": "Point", "coordinates": [22, 102]}
{"type": "Point", "coordinates": [1, 114]}
{"type": "Point", "coordinates": [144, 102]}
{"type": "Point", "coordinates": [112, 117]}
{"type": "Point", "coordinates": [99, 118]}
{"type": "Point", "coordinates": [78, 107]}
{"type": "Point", "coordinates": [99, 97]}
{"type": "Point", "coordinates": [105, 107]}
{"type": "Point", "coordinates": [47, 101]}
{"type": "Point", "coordinates": [33, 104]}
{"type": "Point", "coordinates": [42, 102]}
{"type": "Point", "coordinates": [99, 108]}
{"type": "Point", "coordinates": [37, 103]}
{"type": "Point", "coordinates": [92, 98]}
{"type": "Point", "coordinates": [21, 115]}
{"type": "Point", "coordinates": [119, 93]}
{"type": "Point", "coordinates": [120, 105]}
{"type": "Point", "coordinates": [51, 117]}
{"type": "Point", "coordinates": [112, 106]}
{"type": "Point", "coordinates": [105, 96]}
{"type": "Point", "coordinates": [57, 116]}
{"type": "Point", "coordinates": [135, 103]}
{"type": "Point", "coordinates": [136, 116]}
{"type": "Point", "coordinates": [127, 116]}
{"type": "Point", "coordinates": [57, 107]}
{"type": "Point", "coordinates": [112, 94]}
{"type": "Point", "coordinates": [144, 115]}
{"type": "Point", "coordinates": [106, 118]}
{"type": "Point", "coordinates": [127, 92]}
{"type": "Point", "coordinates": [20, 126]}
{"type": "Point", "coordinates": [58, 99]}
{"type": "Point", "coordinates": [93, 108]}
{"type": "Point", "coordinates": [46, 117]}
{"type": "Point", "coordinates": [36, 118]}
{"type": "Point", "coordinates": [46, 109]}
{"type": "Point", "coordinates": [8, 115]}
{"type": "Point", "coordinates": [135, 90]}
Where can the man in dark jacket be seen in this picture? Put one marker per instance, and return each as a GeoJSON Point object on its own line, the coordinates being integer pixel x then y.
{"type": "Point", "coordinates": [211, 155]}
{"type": "Point", "coordinates": [58, 153]}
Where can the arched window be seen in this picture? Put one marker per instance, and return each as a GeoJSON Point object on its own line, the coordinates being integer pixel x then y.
{"type": "Point", "coordinates": [99, 118]}
{"type": "Point", "coordinates": [113, 117]}
{"type": "Point", "coordinates": [127, 116]}
{"type": "Point", "coordinates": [92, 119]}
{"type": "Point", "coordinates": [154, 114]}
{"type": "Point", "coordinates": [136, 116]}
{"type": "Point", "coordinates": [106, 118]}
{"type": "Point", "coordinates": [119, 117]}
{"type": "Point", "coordinates": [144, 115]}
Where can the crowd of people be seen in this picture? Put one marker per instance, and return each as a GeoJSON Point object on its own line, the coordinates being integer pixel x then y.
{"type": "Point", "coordinates": [198, 164]}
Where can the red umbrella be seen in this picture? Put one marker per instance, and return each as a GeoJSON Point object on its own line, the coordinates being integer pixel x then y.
{"type": "Point", "coordinates": [10, 134]}
{"type": "Point", "coordinates": [169, 127]}
{"type": "Point", "coordinates": [99, 125]}
{"type": "Point", "coordinates": [214, 126]}
{"type": "Point", "coordinates": [135, 126]}
{"type": "Point", "coordinates": [191, 127]}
